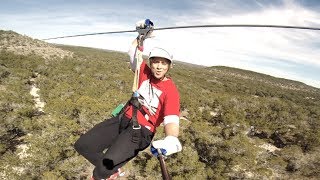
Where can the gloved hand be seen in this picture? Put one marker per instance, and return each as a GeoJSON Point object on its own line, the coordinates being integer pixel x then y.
{"type": "Point", "coordinates": [145, 28]}
{"type": "Point", "coordinates": [168, 146]}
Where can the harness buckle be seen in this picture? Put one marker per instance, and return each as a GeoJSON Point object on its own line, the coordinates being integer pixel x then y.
{"type": "Point", "coordinates": [136, 126]}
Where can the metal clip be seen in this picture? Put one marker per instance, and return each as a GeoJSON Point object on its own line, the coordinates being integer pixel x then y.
{"type": "Point", "coordinates": [136, 127]}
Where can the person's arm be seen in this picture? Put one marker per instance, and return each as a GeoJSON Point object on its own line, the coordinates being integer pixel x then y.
{"type": "Point", "coordinates": [172, 110]}
{"type": "Point", "coordinates": [170, 143]}
{"type": "Point", "coordinates": [171, 129]}
{"type": "Point", "coordinates": [131, 53]}
{"type": "Point", "coordinates": [145, 29]}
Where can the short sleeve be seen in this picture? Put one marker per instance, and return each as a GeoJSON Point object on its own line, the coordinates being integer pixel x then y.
{"type": "Point", "coordinates": [172, 101]}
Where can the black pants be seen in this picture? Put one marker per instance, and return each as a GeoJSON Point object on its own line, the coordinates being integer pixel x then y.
{"type": "Point", "coordinates": [115, 136]}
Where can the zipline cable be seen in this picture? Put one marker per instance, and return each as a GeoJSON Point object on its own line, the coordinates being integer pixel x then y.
{"type": "Point", "coordinates": [195, 26]}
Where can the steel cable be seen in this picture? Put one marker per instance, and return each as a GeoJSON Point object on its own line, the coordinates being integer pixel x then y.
{"type": "Point", "coordinates": [195, 26]}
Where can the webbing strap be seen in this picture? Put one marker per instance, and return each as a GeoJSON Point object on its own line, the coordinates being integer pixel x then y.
{"type": "Point", "coordinates": [135, 106]}
{"type": "Point", "coordinates": [136, 134]}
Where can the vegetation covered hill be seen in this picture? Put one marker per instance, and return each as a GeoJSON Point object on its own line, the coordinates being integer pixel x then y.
{"type": "Point", "coordinates": [235, 124]}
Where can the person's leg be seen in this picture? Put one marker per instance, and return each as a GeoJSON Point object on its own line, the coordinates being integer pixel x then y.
{"type": "Point", "coordinates": [92, 144]}
{"type": "Point", "coordinates": [121, 151]}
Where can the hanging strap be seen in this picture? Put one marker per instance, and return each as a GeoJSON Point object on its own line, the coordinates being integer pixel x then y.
{"type": "Point", "coordinates": [138, 59]}
{"type": "Point", "coordinates": [135, 107]}
{"type": "Point", "coordinates": [136, 134]}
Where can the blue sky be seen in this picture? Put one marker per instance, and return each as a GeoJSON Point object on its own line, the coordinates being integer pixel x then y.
{"type": "Point", "coordinates": [290, 54]}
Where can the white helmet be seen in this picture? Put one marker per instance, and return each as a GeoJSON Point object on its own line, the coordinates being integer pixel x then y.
{"type": "Point", "coordinates": [160, 52]}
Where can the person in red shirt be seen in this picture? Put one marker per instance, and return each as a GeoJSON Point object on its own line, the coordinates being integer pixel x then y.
{"type": "Point", "coordinates": [112, 143]}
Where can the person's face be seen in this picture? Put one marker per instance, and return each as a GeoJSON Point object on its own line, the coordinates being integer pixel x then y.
{"type": "Point", "coordinates": [159, 67]}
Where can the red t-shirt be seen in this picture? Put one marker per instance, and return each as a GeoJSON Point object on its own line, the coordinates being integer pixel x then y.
{"type": "Point", "coordinates": [159, 99]}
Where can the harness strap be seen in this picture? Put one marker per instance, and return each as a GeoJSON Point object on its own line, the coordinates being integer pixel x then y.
{"type": "Point", "coordinates": [136, 106]}
{"type": "Point", "coordinates": [136, 134]}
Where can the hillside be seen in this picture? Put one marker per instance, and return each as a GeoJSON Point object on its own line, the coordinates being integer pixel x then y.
{"type": "Point", "coordinates": [265, 79]}
{"type": "Point", "coordinates": [235, 124]}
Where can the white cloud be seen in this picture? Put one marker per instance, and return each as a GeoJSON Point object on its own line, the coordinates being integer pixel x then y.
{"type": "Point", "coordinates": [235, 47]}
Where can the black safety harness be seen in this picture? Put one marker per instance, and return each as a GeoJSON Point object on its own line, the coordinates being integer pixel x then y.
{"type": "Point", "coordinates": [136, 106]}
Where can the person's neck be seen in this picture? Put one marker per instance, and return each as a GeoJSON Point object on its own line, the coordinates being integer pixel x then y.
{"type": "Point", "coordinates": [164, 78]}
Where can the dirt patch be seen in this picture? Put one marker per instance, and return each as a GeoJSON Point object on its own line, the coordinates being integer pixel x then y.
{"type": "Point", "coordinates": [39, 105]}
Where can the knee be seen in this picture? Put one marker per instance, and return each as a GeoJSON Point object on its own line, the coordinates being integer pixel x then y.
{"type": "Point", "coordinates": [79, 146]}
{"type": "Point", "coordinates": [108, 163]}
